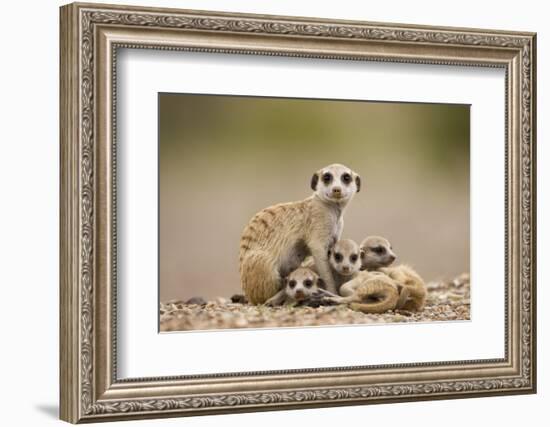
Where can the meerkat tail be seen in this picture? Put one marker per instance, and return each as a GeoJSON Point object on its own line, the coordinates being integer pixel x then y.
{"type": "Point", "coordinates": [385, 291]}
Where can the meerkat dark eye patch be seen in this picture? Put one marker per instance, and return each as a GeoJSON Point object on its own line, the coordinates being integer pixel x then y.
{"type": "Point", "coordinates": [327, 178]}
{"type": "Point", "coordinates": [353, 258]}
{"type": "Point", "coordinates": [379, 250]}
{"type": "Point", "coordinates": [346, 178]}
{"type": "Point", "coordinates": [338, 257]}
{"type": "Point", "coordinates": [292, 284]}
{"type": "Point", "coordinates": [308, 283]}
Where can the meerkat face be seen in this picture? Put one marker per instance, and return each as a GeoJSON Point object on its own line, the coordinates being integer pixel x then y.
{"type": "Point", "coordinates": [376, 252]}
{"type": "Point", "coordinates": [336, 183]}
{"type": "Point", "coordinates": [302, 283]}
{"type": "Point", "coordinates": [344, 257]}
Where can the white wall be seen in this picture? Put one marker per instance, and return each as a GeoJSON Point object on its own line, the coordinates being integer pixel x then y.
{"type": "Point", "coordinates": [29, 170]}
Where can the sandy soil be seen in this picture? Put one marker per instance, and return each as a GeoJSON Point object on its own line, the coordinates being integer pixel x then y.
{"type": "Point", "coordinates": [447, 300]}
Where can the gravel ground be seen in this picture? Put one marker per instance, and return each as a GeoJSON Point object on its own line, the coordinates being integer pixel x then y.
{"type": "Point", "coordinates": [447, 300]}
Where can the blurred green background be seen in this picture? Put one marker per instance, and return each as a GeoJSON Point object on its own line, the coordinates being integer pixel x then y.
{"type": "Point", "coordinates": [223, 158]}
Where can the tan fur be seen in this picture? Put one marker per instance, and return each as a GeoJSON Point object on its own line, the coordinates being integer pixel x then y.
{"type": "Point", "coordinates": [413, 288]}
{"type": "Point", "coordinates": [369, 293]}
{"type": "Point", "coordinates": [300, 291]}
{"type": "Point", "coordinates": [346, 268]}
{"type": "Point", "coordinates": [278, 238]}
{"type": "Point", "coordinates": [376, 252]}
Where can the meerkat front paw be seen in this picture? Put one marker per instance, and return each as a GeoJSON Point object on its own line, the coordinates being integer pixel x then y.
{"type": "Point", "coordinates": [317, 298]}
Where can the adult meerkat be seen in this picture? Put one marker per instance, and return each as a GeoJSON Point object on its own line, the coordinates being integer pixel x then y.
{"type": "Point", "coordinates": [376, 255]}
{"type": "Point", "coordinates": [278, 238]}
{"type": "Point", "coordinates": [299, 286]}
{"type": "Point", "coordinates": [344, 261]}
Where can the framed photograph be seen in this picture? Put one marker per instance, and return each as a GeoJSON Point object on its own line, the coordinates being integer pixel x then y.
{"type": "Point", "coordinates": [266, 212]}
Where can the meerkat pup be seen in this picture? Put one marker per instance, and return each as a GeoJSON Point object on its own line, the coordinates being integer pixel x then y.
{"type": "Point", "coordinates": [367, 291]}
{"type": "Point", "coordinates": [299, 286]}
{"type": "Point", "coordinates": [344, 261]}
{"type": "Point", "coordinates": [371, 290]}
{"type": "Point", "coordinates": [376, 252]}
{"type": "Point", "coordinates": [278, 238]}
{"type": "Point", "coordinates": [376, 255]}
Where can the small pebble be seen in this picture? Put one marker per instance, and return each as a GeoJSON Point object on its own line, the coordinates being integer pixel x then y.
{"type": "Point", "coordinates": [196, 300]}
{"type": "Point", "coordinates": [239, 299]}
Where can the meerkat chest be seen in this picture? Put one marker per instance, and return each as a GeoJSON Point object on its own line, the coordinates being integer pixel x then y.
{"type": "Point", "coordinates": [336, 232]}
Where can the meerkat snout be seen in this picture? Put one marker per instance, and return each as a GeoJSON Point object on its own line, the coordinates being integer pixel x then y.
{"type": "Point", "coordinates": [344, 257]}
{"type": "Point", "coordinates": [296, 289]}
{"type": "Point", "coordinates": [376, 252]}
{"type": "Point", "coordinates": [335, 183]}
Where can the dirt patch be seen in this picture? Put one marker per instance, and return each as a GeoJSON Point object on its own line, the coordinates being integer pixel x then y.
{"type": "Point", "coordinates": [447, 300]}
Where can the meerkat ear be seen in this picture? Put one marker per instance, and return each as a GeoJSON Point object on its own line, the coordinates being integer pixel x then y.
{"type": "Point", "coordinates": [328, 253]}
{"type": "Point", "coordinates": [321, 283]}
{"type": "Point", "coordinates": [358, 182]}
{"type": "Point", "coordinates": [314, 181]}
{"type": "Point", "coordinates": [362, 253]}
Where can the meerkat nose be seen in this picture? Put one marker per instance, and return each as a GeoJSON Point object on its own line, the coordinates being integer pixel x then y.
{"type": "Point", "coordinates": [337, 190]}
{"type": "Point", "coordinates": [393, 257]}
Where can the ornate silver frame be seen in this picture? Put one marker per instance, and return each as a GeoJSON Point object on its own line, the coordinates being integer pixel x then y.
{"type": "Point", "coordinates": [90, 36]}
